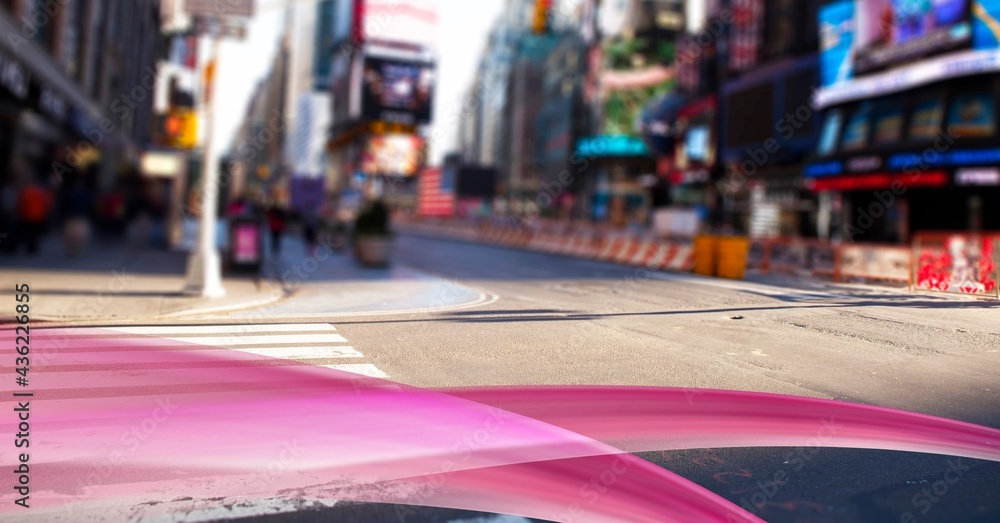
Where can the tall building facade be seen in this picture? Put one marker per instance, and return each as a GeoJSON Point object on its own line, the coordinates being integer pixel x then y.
{"type": "Point", "coordinates": [68, 67]}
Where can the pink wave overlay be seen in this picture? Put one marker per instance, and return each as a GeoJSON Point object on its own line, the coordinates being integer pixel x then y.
{"type": "Point", "coordinates": [126, 421]}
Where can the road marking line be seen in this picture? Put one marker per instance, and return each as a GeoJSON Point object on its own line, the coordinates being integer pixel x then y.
{"type": "Point", "coordinates": [305, 353]}
{"type": "Point", "coordinates": [363, 369]}
{"type": "Point", "coordinates": [227, 329]}
{"type": "Point", "coordinates": [259, 340]}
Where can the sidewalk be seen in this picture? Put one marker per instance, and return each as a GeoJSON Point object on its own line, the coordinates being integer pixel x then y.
{"type": "Point", "coordinates": [116, 281]}
{"type": "Point", "coordinates": [325, 284]}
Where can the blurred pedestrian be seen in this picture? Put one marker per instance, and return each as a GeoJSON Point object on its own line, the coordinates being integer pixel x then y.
{"type": "Point", "coordinates": [310, 229]}
{"type": "Point", "coordinates": [77, 208]}
{"type": "Point", "coordinates": [276, 224]}
{"type": "Point", "coordinates": [33, 206]}
{"type": "Point", "coordinates": [8, 212]}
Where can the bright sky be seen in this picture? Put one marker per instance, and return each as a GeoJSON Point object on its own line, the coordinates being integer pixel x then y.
{"type": "Point", "coordinates": [464, 28]}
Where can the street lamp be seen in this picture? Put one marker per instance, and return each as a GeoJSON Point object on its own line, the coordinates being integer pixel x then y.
{"type": "Point", "coordinates": [204, 269]}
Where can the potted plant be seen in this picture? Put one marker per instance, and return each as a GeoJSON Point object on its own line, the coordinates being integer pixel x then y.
{"type": "Point", "coordinates": [372, 238]}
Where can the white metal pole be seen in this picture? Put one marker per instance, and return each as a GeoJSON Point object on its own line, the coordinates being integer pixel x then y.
{"type": "Point", "coordinates": [204, 271]}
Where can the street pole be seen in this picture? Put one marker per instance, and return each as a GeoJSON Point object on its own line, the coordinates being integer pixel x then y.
{"type": "Point", "coordinates": [204, 270]}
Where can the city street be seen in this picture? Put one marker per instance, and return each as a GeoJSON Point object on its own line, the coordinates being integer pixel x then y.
{"type": "Point", "coordinates": [485, 316]}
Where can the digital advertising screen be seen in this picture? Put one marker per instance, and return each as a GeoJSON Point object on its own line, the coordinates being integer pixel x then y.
{"type": "Point", "coordinates": [972, 115]}
{"type": "Point", "coordinates": [856, 132]}
{"type": "Point", "coordinates": [926, 118]}
{"type": "Point", "coordinates": [889, 122]}
{"type": "Point", "coordinates": [393, 154]}
{"type": "Point", "coordinates": [831, 132]}
{"type": "Point", "coordinates": [397, 91]}
{"type": "Point", "coordinates": [697, 143]}
{"type": "Point", "coordinates": [873, 47]}
{"type": "Point", "coordinates": [891, 31]}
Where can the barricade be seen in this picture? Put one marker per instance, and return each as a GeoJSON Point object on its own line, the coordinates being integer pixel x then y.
{"type": "Point", "coordinates": [874, 262]}
{"type": "Point", "coordinates": [963, 263]}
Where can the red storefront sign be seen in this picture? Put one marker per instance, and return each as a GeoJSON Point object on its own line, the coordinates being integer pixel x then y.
{"type": "Point", "coordinates": [878, 181]}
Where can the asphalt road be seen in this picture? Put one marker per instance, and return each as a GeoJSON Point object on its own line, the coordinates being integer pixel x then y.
{"type": "Point", "coordinates": [482, 316]}
{"type": "Point", "coordinates": [557, 320]}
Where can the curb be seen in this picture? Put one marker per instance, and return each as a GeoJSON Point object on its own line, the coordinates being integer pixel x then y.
{"type": "Point", "coordinates": [273, 297]}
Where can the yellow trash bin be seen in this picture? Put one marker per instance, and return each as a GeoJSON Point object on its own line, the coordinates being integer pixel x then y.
{"type": "Point", "coordinates": [731, 257]}
{"type": "Point", "coordinates": [704, 255]}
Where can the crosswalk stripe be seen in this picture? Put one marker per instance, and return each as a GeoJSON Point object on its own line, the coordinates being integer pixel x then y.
{"type": "Point", "coordinates": [364, 369]}
{"type": "Point", "coordinates": [305, 353]}
{"type": "Point", "coordinates": [237, 340]}
{"type": "Point", "coordinates": [296, 343]}
{"type": "Point", "coordinates": [226, 329]}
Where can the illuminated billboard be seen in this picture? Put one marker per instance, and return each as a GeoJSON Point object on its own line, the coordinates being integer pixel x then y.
{"type": "Point", "coordinates": [397, 91]}
{"type": "Point", "coordinates": [891, 31]}
{"type": "Point", "coordinates": [393, 154]}
{"type": "Point", "coordinates": [876, 47]}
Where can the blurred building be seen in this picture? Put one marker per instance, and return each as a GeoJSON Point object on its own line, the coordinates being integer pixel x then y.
{"type": "Point", "coordinates": [909, 139]}
{"type": "Point", "coordinates": [382, 67]}
{"type": "Point", "coordinates": [768, 126]}
{"type": "Point", "coordinates": [258, 149]}
{"type": "Point", "coordinates": [630, 52]}
{"type": "Point", "coordinates": [310, 26]}
{"type": "Point", "coordinates": [78, 81]}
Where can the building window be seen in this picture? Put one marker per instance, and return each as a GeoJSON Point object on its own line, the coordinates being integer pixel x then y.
{"type": "Point", "coordinates": [889, 121]}
{"type": "Point", "coordinates": [832, 124]}
{"type": "Point", "coordinates": [43, 31]}
{"type": "Point", "coordinates": [72, 42]}
{"type": "Point", "coordinates": [972, 115]}
{"type": "Point", "coordinates": [858, 128]}
{"type": "Point", "coordinates": [925, 122]}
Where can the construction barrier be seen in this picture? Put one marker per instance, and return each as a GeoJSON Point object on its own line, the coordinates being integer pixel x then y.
{"type": "Point", "coordinates": [942, 262]}
{"type": "Point", "coordinates": [794, 256]}
{"type": "Point", "coordinates": [869, 262]}
{"type": "Point", "coordinates": [731, 257]}
{"type": "Point", "coordinates": [704, 255]}
{"type": "Point", "coordinates": [961, 263]}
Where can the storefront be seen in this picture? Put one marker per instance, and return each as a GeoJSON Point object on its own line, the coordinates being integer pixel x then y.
{"type": "Point", "coordinates": [909, 140]}
{"type": "Point", "coordinates": [695, 167]}
{"type": "Point", "coordinates": [40, 116]}
{"type": "Point", "coordinates": [922, 160]}
{"type": "Point", "coordinates": [768, 129]}
{"type": "Point", "coordinates": [617, 171]}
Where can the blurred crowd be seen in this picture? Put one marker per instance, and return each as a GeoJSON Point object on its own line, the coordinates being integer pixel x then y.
{"type": "Point", "coordinates": [74, 210]}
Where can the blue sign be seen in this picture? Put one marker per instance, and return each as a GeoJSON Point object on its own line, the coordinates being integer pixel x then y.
{"type": "Point", "coordinates": [932, 158]}
{"type": "Point", "coordinates": [984, 35]}
{"type": "Point", "coordinates": [821, 169]}
{"type": "Point", "coordinates": [611, 146]}
{"type": "Point", "coordinates": [836, 23]}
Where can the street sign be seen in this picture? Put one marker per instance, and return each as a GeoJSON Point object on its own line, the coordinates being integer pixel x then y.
{"type": "Point", "coordinates": [213, 26]}
{"type": "Point", "coordinates": [220, 7]}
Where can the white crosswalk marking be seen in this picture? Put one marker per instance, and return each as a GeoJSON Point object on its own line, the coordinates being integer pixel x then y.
{"type": "Point", "coordinates": [364, 369]}
{"type": "Point", "coordinates": [293, 342]}
{"type": "Point", "coordinates": [154, 330]}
